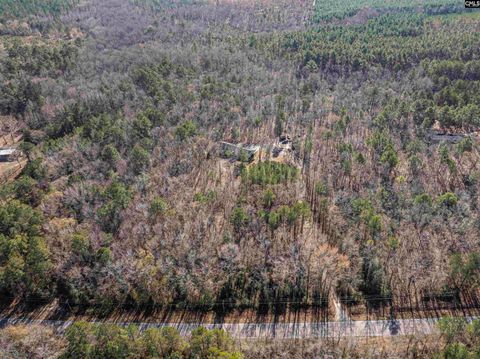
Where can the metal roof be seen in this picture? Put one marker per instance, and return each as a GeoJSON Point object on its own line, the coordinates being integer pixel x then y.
{"type": "Point", "coordinates": [239, 147]}
{"type": "Point", "coordinates": [7, 151]}
{"type": "Point", "coordinates": [252, 148]}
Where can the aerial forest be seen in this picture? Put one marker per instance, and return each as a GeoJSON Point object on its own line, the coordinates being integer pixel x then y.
{"type": "Point", "coordinates": [123, 198]}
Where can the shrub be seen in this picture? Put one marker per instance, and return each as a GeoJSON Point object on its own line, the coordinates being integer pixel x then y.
{"type": "Point", "coordinates": [110, 155]}
{"type": "Point", "coordinates": [239, 218]}
{"type": "Point", "coordinates": [158, 206]}
{"type": "Point", "coordinates": [448, 199]}
{"type": "Point", "coordinates": [423, 199]}
{"type": "Point", "coordinates": [186, 130]}
{"type": "Point", "coordinates": [268, 198]}
{"type": "Point", "coordinates": [214, 343]}
{"type": "Point", "coordinates": [139, 159]}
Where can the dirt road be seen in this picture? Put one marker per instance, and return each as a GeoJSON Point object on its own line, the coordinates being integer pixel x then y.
{"type": "Point", "coordinates": [340, 329]}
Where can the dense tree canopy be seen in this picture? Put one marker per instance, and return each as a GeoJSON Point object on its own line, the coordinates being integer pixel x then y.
{"type": "Point", "coordinates": [16, 8]}
{"type": "Point", "coordinates": [125, 199]}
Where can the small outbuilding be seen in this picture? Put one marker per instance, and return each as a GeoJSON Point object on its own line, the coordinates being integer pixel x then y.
{"type": "Point", "coordinates": [8, 154]}
{"type": "Point", "coordinates": [237, 152]}
{"type": "Point", "coordinates": [437, 136]}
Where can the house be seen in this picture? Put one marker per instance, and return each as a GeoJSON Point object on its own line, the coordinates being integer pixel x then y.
{"type": "Point", "coordinates": [8, 154]}
{"type": "Point", "coordinates": [437, 136]}
{"type": "Point", "coordinates": [230, 150]}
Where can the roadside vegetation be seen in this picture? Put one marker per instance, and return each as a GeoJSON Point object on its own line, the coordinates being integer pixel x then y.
{"type": "Point", "coordinates": [456, 339]}
{"type": "Point", "coordinates": [84, 340]}
{"type": "Point", "coordinates": [462, 339]}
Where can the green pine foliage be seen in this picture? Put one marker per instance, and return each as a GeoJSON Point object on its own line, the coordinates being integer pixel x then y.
{"type": "Point", "coordinates": [24, 256]}
{"type": "Point", "coordinates": [395, 42]}
{"type": "Point", "coordinates": [86, 340]}
{"type": "Point", "coordinates": [462, 338]}
{"type": "Point", "coordinates": [270, 173]}
{"type": "Point", "coordinates": [17, 8]}
{"type": "Point", "coordinates": [330, 9]}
